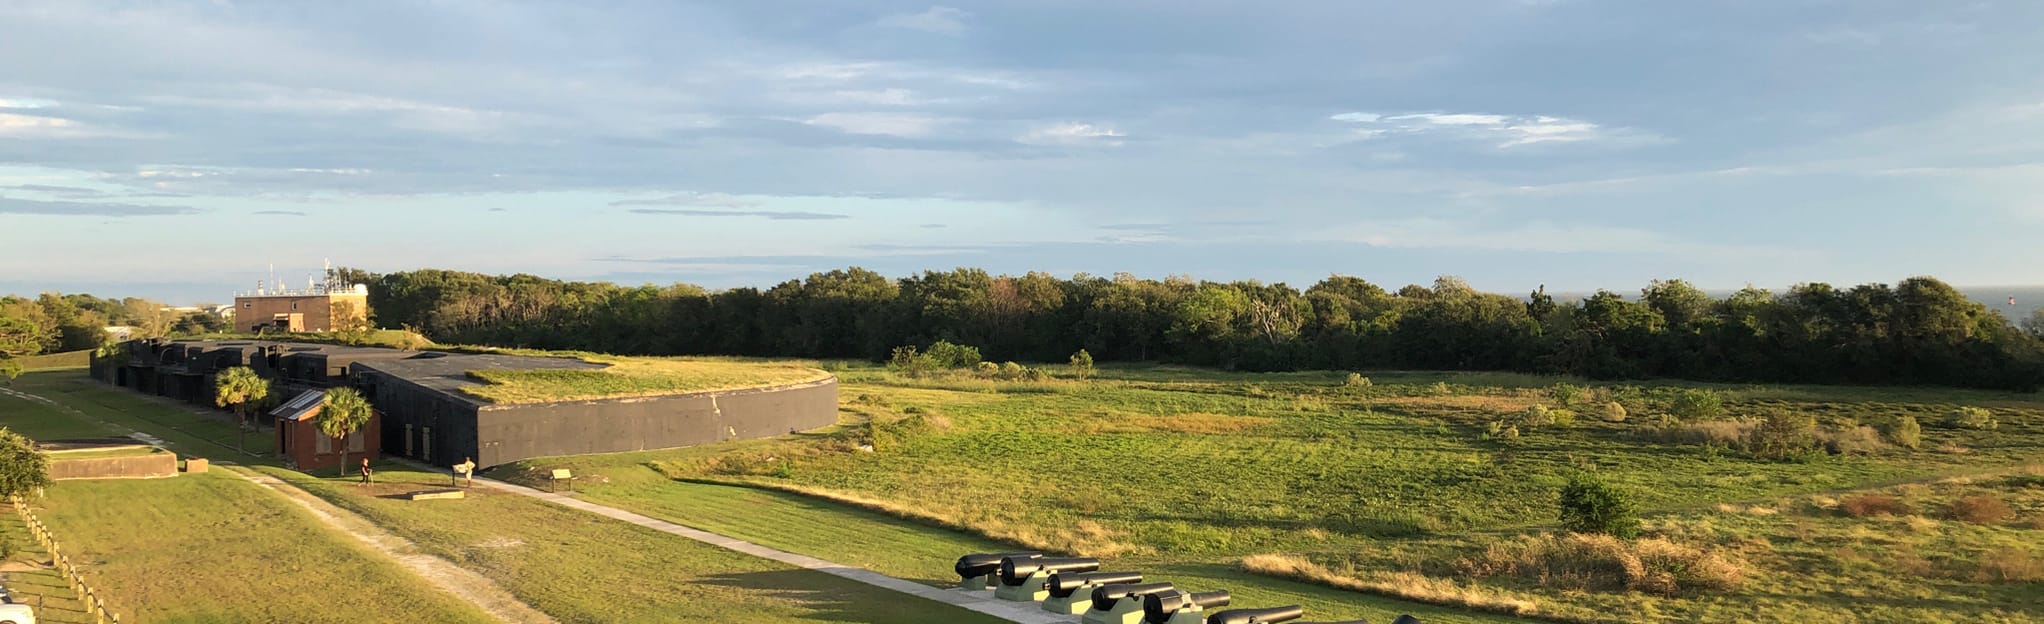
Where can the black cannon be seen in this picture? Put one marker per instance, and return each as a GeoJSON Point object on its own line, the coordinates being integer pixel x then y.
{"type": "Point", "coordinates": [1017, 570]}
{"type": "Point", "coordinates": [1106, 596]}
{"type": "Point", "coordinates": [1065, 587]}
{"type": "Point", "coordinates": [1271, 615]}
{"type": "Point", "coordinates": [982, 564]}
{"type": "Point", "coordinates": [1161, 607]}
{"type": "Point", "coordinates": [974, 570]}
{"type": "Point", "coordinates": [1064, 584]}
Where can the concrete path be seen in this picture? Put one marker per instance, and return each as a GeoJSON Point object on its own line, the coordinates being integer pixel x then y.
{"type": "Point", "coordinates": [470, 586]}
{"type": "Point", "coordinates": [980, 601]}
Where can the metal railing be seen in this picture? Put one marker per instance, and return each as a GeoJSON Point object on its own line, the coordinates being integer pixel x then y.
{"type": "Point", "coordinates": [94, 605]}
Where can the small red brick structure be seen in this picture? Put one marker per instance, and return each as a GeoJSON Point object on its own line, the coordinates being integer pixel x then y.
{"type": "Point", "coordinates": [300, 442]}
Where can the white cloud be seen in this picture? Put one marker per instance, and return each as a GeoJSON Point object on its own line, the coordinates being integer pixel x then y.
{"type": "Point", "coordinates": [887, 97]}
{"type": "Point", "coordinates": [941, 20]}
{"type": "Point", "coordinates": [892, 124]}
{"type": "Point", "coordinates": [20, 103]}
{"type": "Point", "coordinates": [1072, 134]}
{"type": "Point", "coordinates": [1504, 131]}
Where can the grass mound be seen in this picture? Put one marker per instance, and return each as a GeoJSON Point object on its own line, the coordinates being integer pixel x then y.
{"type": "Point", "coordinates": [634, 377]}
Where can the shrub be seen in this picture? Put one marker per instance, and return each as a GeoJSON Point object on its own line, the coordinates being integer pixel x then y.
{"type": "Point", "coordinates": [1906, 433]}
{"type": "Point", "coordinates": [1536, 416]}
{"type": "Point", "coordinates": [1873, 505]}
{"type": "Point", "coordinates": [1562, 417]}
{"type": "Point", "coordinates": [1496, 428]}
{"type": "Point", "coordinates": [1082, 365]}
{"type": "Point", "coordinates": [1612, 412]}
{"type": "Point", "coordinates": [1510, 434]}
{"type": "Point", "coordinates": [1696, 405]}
{"type": "Point", "coordinates": [946, 355]}
{"type": "Point", "coordinates": [23, 469]}
{"type": "Point", "coordinates": [1861, 440]}
{"type": "Point", "coordinates": [1971, 418]}
{"type": "Point", "coordinates": [1440, 388]}
{"type": "Point", "coordinates": [1565, 394]}
{"type": "Point", "coordinates": [1035, 374]}
{"type": "Point", "coordinates": [1784, 435]}
{"type": "Point", "coordinates": [987, 369]}
{"type": "Point", "coordinates": [908, 361]}
{"type": "Point", "coordinates": [1980, 509]}
{"type": "Point", "coordinates": [1356, 380]}
{"type": "Point", "coordinates": [1011, 370]}
{"type": "Point", "coordinates": [1725, 433]}
{"type": "Point", "coordinates": [1589, 505]}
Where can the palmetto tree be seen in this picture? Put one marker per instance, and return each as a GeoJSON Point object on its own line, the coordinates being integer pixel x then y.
{"type": "Point", "coordinates": [238, 387]}
{"type": "Point", "coordinates": [344, 412]}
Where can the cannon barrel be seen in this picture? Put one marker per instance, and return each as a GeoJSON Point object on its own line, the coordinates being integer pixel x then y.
{"type": "Point", "coordinates": [1015, 570]}
{"type": "Point", "coordinates": [1158, 607]}
{"type": "Point", "coordinates": [982, 564]}
{"type": "Point", "coordinates": [1271, 615]}
{"type": "Point", "coordinates": [1105, 596]}
{"type": "Point", "coordinates": [1064, 584]}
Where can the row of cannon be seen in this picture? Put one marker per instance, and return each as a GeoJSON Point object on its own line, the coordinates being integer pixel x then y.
{"type": "Point", "coordinates": [1075, 586]}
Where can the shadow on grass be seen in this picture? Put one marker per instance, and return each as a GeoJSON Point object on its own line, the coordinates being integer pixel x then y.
{"type": "Point", "coordinates": [832, 599]}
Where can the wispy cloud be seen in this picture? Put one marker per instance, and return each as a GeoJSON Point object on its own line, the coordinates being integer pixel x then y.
{"type": "Point", "coordinates": [65, 192]}
{"type": "Point", "coordinates": [9, 205]}
{"type": "Point", "coordinates": [280, 213]}
{"type": "Point", "coordinates": [941, 20]}
{"type": "Point", "coordinates": [908, 125]}
{"type": "Point", "coordinates": [709, 200]}
{"type": "Point", "coordinates": [763, 214]}
{"type": "Point", "coordinates": [1545, 237]}
{"type": "Point", "coordinates": [1069, 133]}
{"type": "Point", "coordinates": [1503, 131]}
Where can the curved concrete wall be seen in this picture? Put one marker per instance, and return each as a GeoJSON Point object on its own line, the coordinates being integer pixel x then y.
{"type": "Point", "coordinates": [508, 433]}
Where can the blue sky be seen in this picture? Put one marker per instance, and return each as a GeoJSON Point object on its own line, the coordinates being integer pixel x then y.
{"type": "Point", "coordinates": [178, 150]}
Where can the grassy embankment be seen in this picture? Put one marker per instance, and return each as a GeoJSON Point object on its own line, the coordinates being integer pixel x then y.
{"type": "Point", "coordinates": [1397, 488]}
{"type": "Point", "coordinates": [635, 377]}
{"type": "Point", "coordinates": [67, 359]}
{"type": "Point", "coordinates": [575, 567]}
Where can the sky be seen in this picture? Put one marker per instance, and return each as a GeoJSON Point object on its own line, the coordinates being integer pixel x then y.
{"type": "Point", "coordinates": [181, 150]}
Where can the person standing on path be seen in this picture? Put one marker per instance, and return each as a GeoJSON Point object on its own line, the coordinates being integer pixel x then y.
{"type": "Point", "coordinates": [464, 470]}
{"type": "Point", "coordinates": [365, 472]}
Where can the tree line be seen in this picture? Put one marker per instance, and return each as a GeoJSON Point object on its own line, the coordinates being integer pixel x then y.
{"type": "Point", "coordinates": [1918, 331]}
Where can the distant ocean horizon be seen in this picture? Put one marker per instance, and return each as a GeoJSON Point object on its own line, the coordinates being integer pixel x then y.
{"type": "Point", "coordinates": [2027, 298]}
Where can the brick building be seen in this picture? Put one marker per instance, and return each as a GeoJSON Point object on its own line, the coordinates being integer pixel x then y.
{"type": "Point", "coordinates": [310, 310]}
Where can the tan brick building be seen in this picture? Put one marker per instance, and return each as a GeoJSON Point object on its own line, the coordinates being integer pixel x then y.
{"type": "Point", "coordinates": [312, 310]}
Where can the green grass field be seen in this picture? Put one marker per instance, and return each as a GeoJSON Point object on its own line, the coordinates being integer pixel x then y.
{"type": "Point", "coordinates": [1396, 487]}
{"type": "Point", "coordinates": [581, 568]}
{"type": "Point", "coordinates": [214, 548]}
{"type": "Point", "coordinates": [67, 359]}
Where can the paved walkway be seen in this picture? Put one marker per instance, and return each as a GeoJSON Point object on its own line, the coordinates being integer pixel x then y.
{"type": "Point", "coordinates": [469, 586]}
{"type": "Point", "coordinates": [981, 601]}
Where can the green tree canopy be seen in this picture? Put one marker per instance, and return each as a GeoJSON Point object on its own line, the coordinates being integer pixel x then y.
{"type": "Point", "coordinates": [344, 411]}
{"type": "Point", "coordinates": [23, 469]}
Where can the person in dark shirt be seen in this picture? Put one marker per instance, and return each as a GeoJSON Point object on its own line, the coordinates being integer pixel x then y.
{"type": "Point", "coordinates": [365, 470]}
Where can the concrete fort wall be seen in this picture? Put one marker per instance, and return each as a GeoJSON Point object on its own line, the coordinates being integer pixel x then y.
{"type": "Point", "coordinates": [508, 433]}
{"type": "Point", "coordinates": [149, 466]}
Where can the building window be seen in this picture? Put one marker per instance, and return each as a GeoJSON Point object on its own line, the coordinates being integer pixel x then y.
{"type": "Point", "coordinates": [247, 304]}
{"type": "Point", "coordinates": [294, 305]}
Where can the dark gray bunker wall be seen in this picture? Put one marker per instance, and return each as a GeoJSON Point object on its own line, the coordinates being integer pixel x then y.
{"type": "Point", "coordinates": [509, 433]}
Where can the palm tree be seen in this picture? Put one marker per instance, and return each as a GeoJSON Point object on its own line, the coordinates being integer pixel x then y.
{"type": "Point", "coordinates": [344, 412]}
{"type": "Point", "coordinates": [238, 387]}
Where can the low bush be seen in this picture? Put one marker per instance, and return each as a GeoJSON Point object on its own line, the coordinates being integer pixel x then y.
{"type": "Point", "coordinates": [1784, 435]}
{"type": "Point", "coordinates": [946, 355]}
{"type": "Point", "coordinates": [1971, 418]}
{"type": "Point", "coordinates": [1356, 380]}
{"type": "Point", "coordinates": [1082, 365]}
{"type": "Point", "coordinates": [1979, 509]}
{"type": "Point", "coordinates": [1726, 433]}
{"type": "Point", "coordinates": [987, 369]}
{"type": "Point", "coordinates": [907, 360]}
{"type": "Point", "coordinates": [1867, 505]}
{"type": "Point", "coordinates": [1612, 412]}
{"type": "Point", "coordinates": [1536, 416]}
{"type": "Point", "coordinates": [1011, 370]}
{"type": "Point", "coordinates": [1692, 405]}
{"type": "Point", "coordinates": [2009, 566]}
{"type": "Point", "coordinates": [1861, 440]}
{"type": "Point", "coordinates": [1905, 432]}
{"type": "Point", "coordinates": [1562, 417]}
{"type": "Point", "coordinates": [1565, 395]}
{"type": "Point", "coordinates": [1589, 505]}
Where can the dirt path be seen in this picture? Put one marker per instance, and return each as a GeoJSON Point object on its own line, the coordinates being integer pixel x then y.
{"type": "Point", "coordinates": [469, 586]}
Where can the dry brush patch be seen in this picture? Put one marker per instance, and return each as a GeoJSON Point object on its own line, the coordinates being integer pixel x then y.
{"type": "Point", "coordinates": [1406, 585]}
{"type": "Point", "coordinates": [1580, 562]}
{"type": "Point", "coordinates": [1866, 505]}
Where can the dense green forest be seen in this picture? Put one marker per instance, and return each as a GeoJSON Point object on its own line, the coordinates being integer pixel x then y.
{"type": "Point", "coordinates": [1919, 331]}
{"type": "Point", "coordinates": [54, 323]}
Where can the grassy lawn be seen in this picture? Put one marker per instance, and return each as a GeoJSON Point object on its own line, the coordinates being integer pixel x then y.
{"type": "Point", "coordinates": [581, 568]}
{"type": "Point", "coordinates": [176, 423]}
{"type": "Point", "coordinates": [635, 376]}
{"type": "Point", "coordinates": [68, 359]}
{"type": "Point", "coordinates": [575, 567]}
{"type": "Point", "coordinates": [1397, 486]}
{"type": "Point", "coordinates": [213, 548]}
